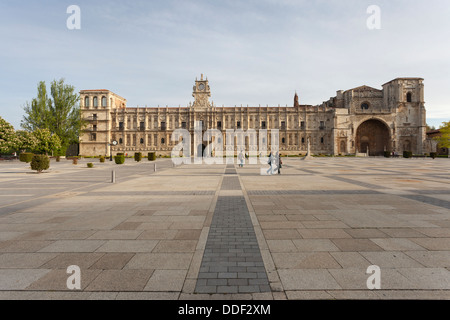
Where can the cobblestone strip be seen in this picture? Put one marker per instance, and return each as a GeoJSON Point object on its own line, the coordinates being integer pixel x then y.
{"type": "Point", "coordinates": [232, 261]}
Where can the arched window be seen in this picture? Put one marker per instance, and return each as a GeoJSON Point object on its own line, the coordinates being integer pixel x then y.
{"type": "Point", "coordinates": [86, 102]}
{"type": "Point", "coordinates": [409, 97]}
{"type": "Point", "coordinates": [283, 140]}
{"type": "Point", "coordinates": [142, 140]}
{"type": "Point", "coordinates": [365, 106]}
{"type": "Point", "coordinates": [163, 140]}
{"type": "Point", "coordinates": [104, 102]}
{"type": "Point", "coordinates": [95, 102]}
{"type": "Point", "coordinates": [120, 141]}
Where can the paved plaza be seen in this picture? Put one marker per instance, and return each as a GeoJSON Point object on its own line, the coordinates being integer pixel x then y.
{"type": "Point", "coordinates": [225, 232]}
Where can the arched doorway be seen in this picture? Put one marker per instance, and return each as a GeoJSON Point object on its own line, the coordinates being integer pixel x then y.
{"type": "Point", "coordinates": [375, 135]}
{"type": "Point", "coordinates": [201, 150]}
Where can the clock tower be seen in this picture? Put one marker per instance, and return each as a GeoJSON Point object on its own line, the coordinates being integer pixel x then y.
{"type": "Point", "coordinates": [201, 93]}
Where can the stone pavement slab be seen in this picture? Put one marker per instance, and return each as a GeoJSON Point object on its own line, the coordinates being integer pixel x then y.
{"type": "Point", "coordinates": [309, 233]}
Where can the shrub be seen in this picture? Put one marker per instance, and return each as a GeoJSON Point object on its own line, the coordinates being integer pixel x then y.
{"type": "Point", "coordinates": [90, 165]}
{"type": "Point", "coordinates": [58, 158]}
{"type": "Point", "coordinates": [407, 154]}
{"type": "Point", "coordinates": [152, 156]}
{"type": "Point", "coordinates": [433, 155]}
{"type": "Point", "coordinates": [137, 156]}
{"type": "Point", "coordinates": [75, 161]}
{"type": "Point", "coordinates": [387, 154]}
{"type": "Point", "coordinates": [26, 157]}
{"type": "Point", "coordinates": [102, 159]}
{"type": "Point", "coordinates": [40, 162]}
{"type": "Point", "coordinates": [119, 159]}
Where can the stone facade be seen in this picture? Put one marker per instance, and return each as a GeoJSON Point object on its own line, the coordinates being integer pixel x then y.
{"type": "Point", "coordinates": [362, 119]}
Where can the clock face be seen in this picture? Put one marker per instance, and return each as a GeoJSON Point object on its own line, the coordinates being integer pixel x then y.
{"type": "Point", "coordinates": [201, 86]}
{"type": "Point", "coordinates": [114, 143]}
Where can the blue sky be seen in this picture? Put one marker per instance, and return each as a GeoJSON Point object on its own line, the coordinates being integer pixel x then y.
{"type": "Point", "coordinates": [252, 51]}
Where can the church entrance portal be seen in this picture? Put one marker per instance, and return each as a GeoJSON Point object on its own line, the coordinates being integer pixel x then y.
{"type": "Point", "coordinates": [374, 135]}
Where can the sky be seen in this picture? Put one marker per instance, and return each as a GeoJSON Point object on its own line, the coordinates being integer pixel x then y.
{"type": "Point", "coordinates": [254, 52]}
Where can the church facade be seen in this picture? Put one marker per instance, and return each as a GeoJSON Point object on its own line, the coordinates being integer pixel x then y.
{"type": "Point", "coordinates": [359, 120]}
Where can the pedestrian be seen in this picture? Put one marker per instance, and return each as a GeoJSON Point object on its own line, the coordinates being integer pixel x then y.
{"type": "Point", "coordinates": [270, 162]}
{"type": "Point", "coordinates": [279, 163]}
{"type": "Point", "coordinates": [241, 159]}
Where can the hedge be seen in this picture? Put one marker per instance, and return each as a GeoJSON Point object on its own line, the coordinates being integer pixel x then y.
{"type": "Point", "coordinates": [119, 159]}
{"type": "Point", "coordinates": [26, 157]}
{"type": "Point", "coordinates": [40, 162]}
{"type": "Point", "coordinates": [151, 156]}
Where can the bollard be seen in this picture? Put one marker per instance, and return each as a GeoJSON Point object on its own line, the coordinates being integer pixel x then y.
{"type": "Point", "coordinates": [154, 168]}
{"type": "Point", "coordinates": [113, 176]}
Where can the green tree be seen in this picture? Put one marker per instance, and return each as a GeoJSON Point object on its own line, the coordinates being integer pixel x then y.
{"type": "Point", "coordinates": [46, 142]}
{"type": "Point", "coordinates": [444, 139]}
{"type": "Point", "coordinates": [26, 141]}
{"type": "Point", "coordinates": [8, 138]}
{"type": "Point", "coordinates": [60, 114]}
{"type": "Point", "coordinates": [37, 112]}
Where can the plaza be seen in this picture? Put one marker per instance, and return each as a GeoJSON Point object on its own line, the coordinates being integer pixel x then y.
{"type": "Point", "coordinates": [224, 232]}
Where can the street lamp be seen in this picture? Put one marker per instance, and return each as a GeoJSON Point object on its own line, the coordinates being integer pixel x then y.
{"type": "Point", "coordinates": [114, 143]}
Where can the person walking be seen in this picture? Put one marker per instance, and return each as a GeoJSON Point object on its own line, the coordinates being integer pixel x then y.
{"type": "Point", "coordinates": [279, 163]}
{"type": "Point", "coordinates": [270, 162]}
{"type": "Point", "coordinates": [241, 159]}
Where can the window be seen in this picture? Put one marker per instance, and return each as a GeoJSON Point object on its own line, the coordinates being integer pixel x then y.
{"type": "Point", "coordinates": [163, 126]}
{"type": "Point", "coordinates": [94, 127]}
{"type": "Point", "coordinates": [95, 102]}
{"type": "Point", "coordinates": [263, 125]}
{"type": "Point", "coordinates": [238, 124]}
{"type": "Point", "coordinates": [283, 140]}
{"type": "Point", "coordinates": [142, 126]}
{"type": "Point", "coordinates": [322, 125]}
{"type": "Point", "coordinates": [302, 125]}
{"type": "Point", "coordinates": [86, 102]}
{"type": "Point", "coordinates": [364, 106]}
{"type": "Point", "coordinates": [303, 140]}
{"type": "Point", "coordinates": [93, 137]}
{"type": "Point", "coordinates": [121, 127]}
{"type": "Point", "coordinates": [183, 125]}
{"type": "Point", "coordinates": [219, 124]}
{"type": "Point", "coordinates": [142, 140]}
{"type": "Point", "coordinates": [409, 97]}
{"type": "Point", "coordinates": [163, 140]}
{"type": "Point", "coordinates": [283, 125]}
{"type": "Point", "coordinates": [322, 140]}
{"type": "Point", "coordinates": [104, 102]}
{"type": "Point", "coordinates": [94, 117]}
{"type": "Point", "coordinates": [120, 141]}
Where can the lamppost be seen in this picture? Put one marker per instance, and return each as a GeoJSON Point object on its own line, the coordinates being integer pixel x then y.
{"type": "Point", "coordinates": [114, 143]}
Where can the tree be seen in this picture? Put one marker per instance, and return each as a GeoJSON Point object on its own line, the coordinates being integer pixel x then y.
{"type": "Point", "coordinates": [444, 138]}
{"type": "Point", "coordinates": [60, 114]}
{"type": "Point", "coordinates": [46, 141]}
{"type": "Point", "coordinates": [37, 112]}
{"type": "Point", "coordinates": [26, 141]}
{"type": "Point", "coordinates": [8, 138]}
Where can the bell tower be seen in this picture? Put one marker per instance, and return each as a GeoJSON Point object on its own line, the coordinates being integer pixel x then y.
{"type": "Point", "coordinates": [201, 93]}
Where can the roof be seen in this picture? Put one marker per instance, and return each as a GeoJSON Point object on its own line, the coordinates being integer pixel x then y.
{"type": "Point", "coordinates": [405, 78]}
{"type": "Point", "coordinates": [363, 88]}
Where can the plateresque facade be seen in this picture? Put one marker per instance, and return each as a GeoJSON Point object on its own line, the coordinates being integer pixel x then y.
{"type": "Point", "coordinates": [358, 120]}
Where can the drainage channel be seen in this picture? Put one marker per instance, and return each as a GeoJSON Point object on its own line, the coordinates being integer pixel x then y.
{"type": "Point", "coordinates": [232, 261]}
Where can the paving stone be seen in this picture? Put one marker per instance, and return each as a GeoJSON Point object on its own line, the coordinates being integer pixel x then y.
{"type": "Point", "coordinates": [112, 261]}
{"type": "Point", "coordinates": [19, 279]}
{"type": "Point", "coordinates": [120, 280]}
{"type": "Point", "coordinates": [357, 245]}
